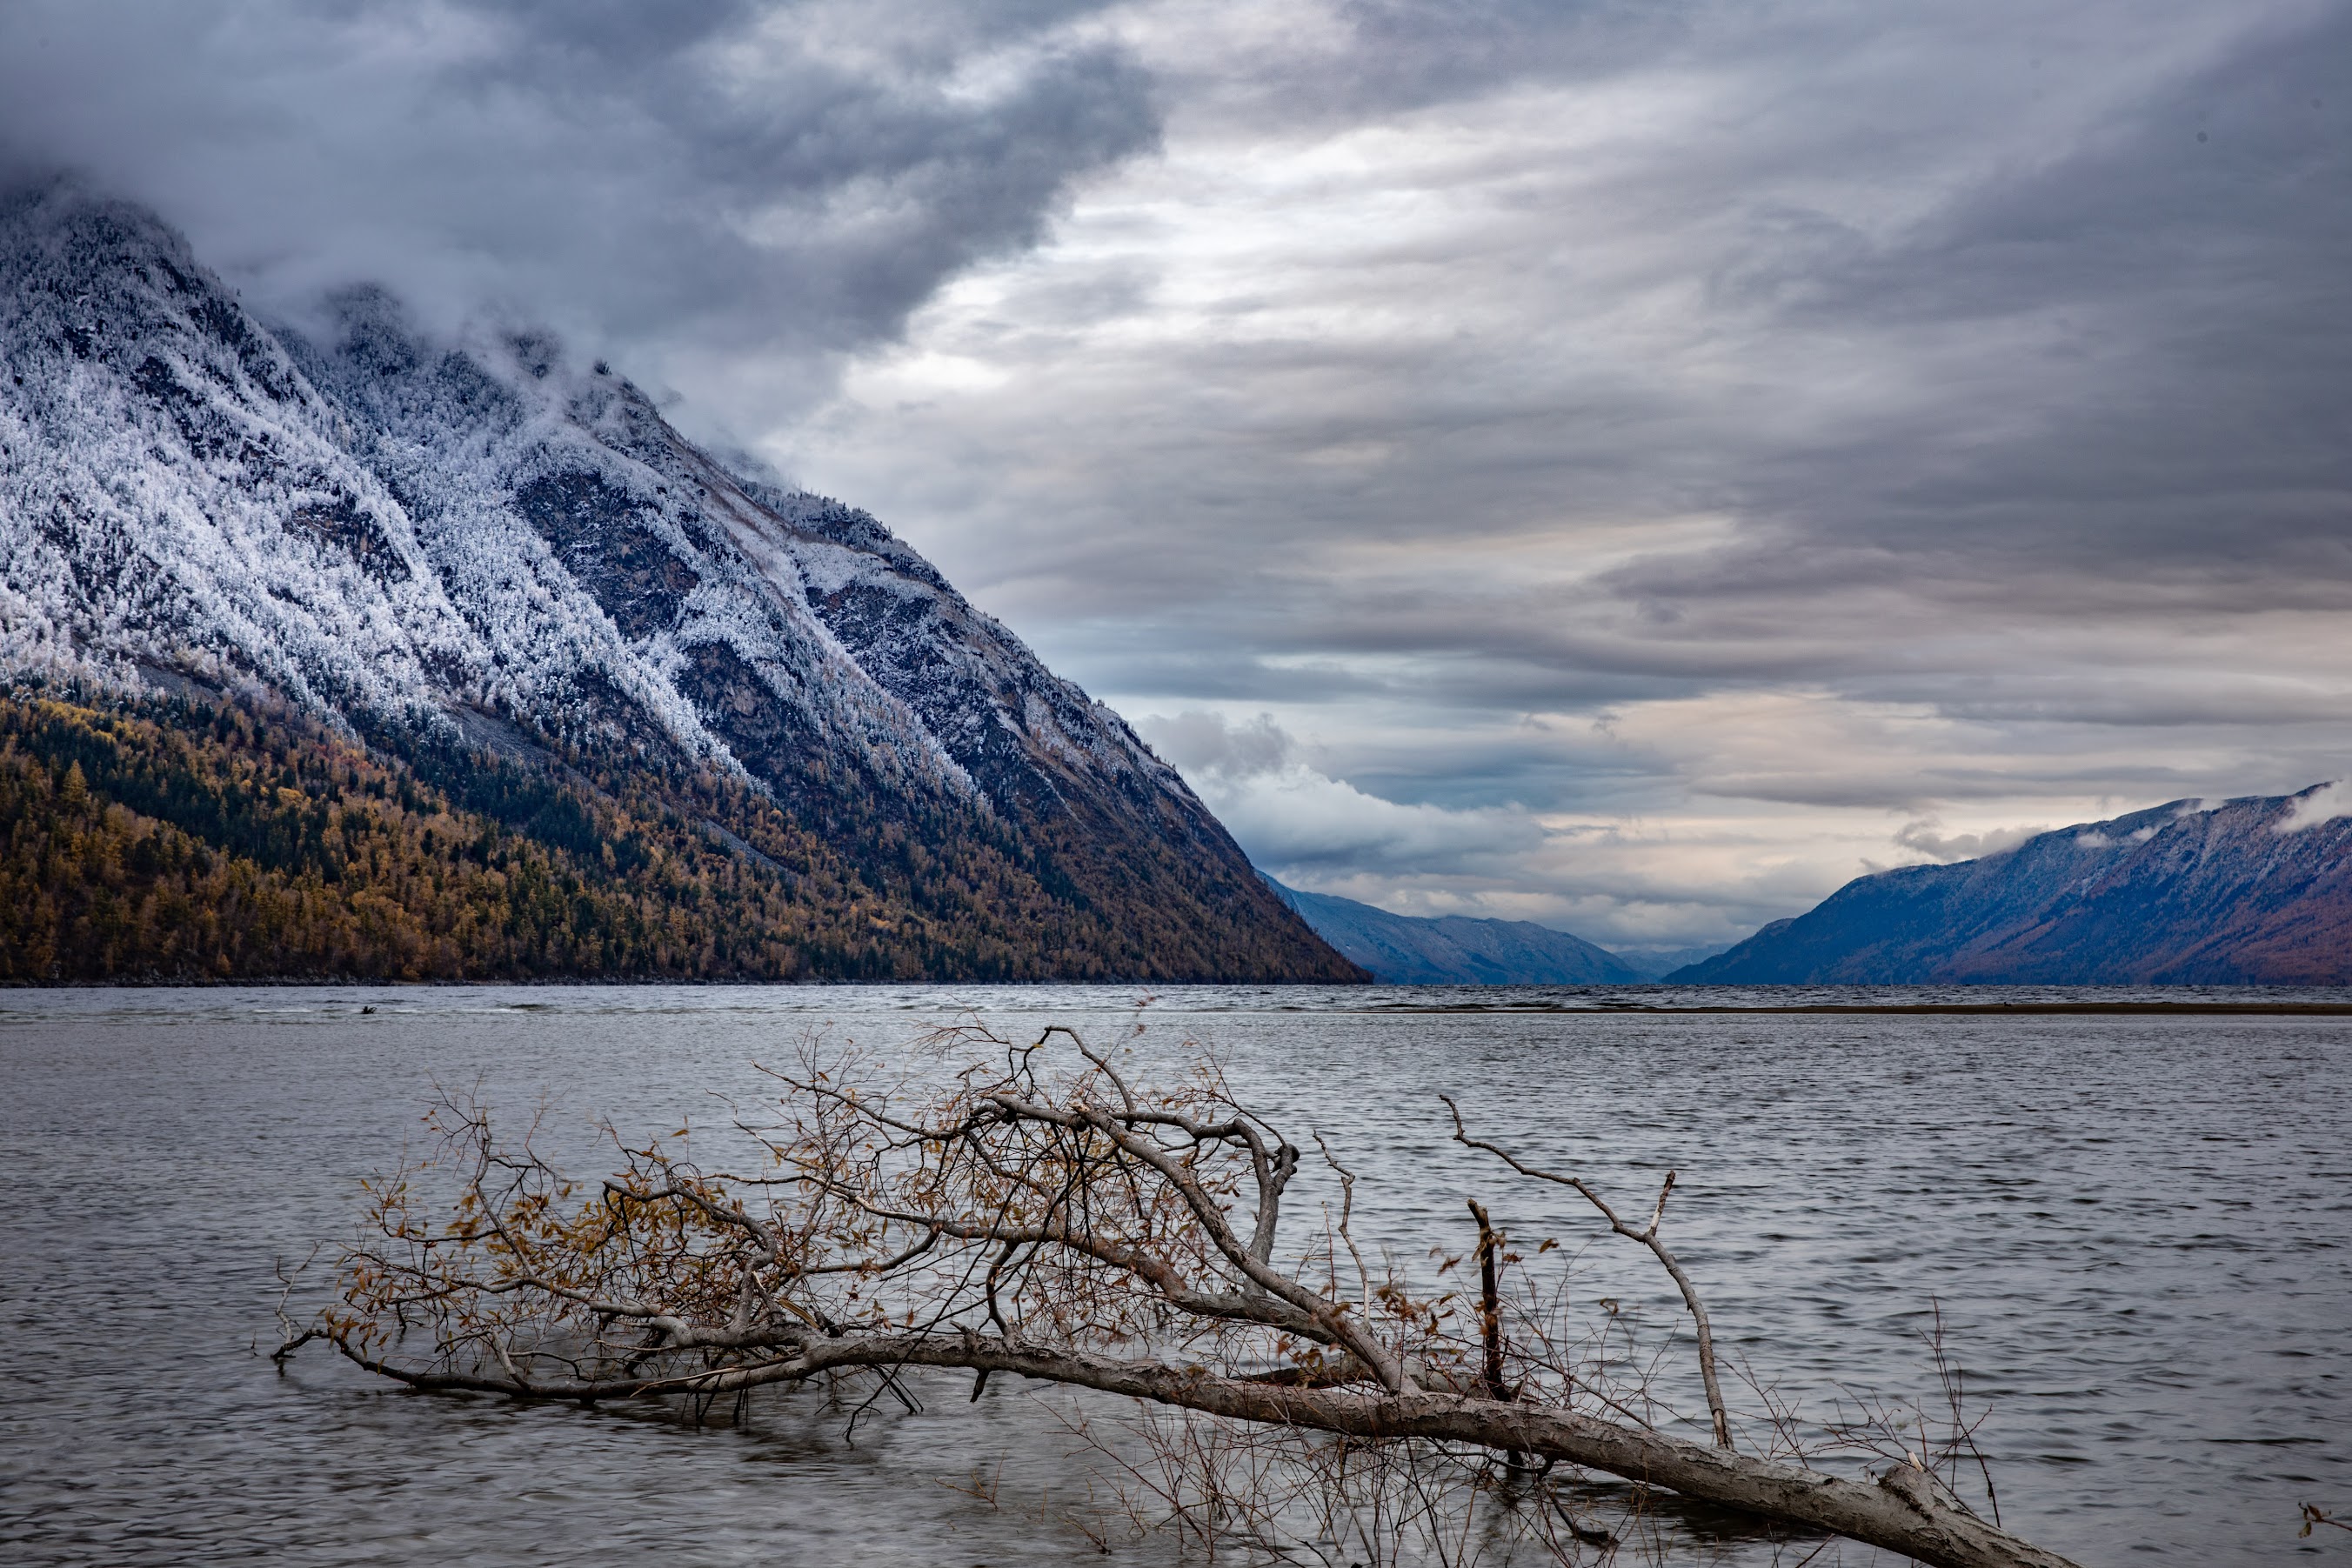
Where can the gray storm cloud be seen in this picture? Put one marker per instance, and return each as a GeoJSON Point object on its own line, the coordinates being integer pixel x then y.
{"type": "Point", "coordinates": [1199, 742]}
{"type": "Point", "coordinates": [1735, 438]}
{"type": "Point", "coordinates": [745, 186]}
{"type": "Point", "coordinates": [1628, 467]}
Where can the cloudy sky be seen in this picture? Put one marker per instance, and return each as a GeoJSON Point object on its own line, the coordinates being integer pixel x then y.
{"type": "Point", "coordinates": [1633, 466]}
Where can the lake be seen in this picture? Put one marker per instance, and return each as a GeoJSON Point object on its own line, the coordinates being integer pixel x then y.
{"type": "Point", "coordinates": [2138, 1227]}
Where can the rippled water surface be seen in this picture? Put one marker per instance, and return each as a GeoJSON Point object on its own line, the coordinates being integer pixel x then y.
{"type": "Point", "coordinates": [2138, 1227]}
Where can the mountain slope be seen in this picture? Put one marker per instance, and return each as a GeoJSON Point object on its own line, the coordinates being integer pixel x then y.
{"type": "Point", "coordinates": [211, 843]}
{"type": "Point", "coordinates": [482, 551]}
{"type": "Point", "coordinates": [1454, 949]}
{"type": "Point", "coordinates": [1654, 963]}
{"type": "Point", "coordinates": [2256, 891]}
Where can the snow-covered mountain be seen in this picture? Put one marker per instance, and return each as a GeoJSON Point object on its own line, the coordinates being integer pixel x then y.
{"type": "Point", "coordinates": [2254, 891]}
{"type": "Point", "coordinates": [488, 545]}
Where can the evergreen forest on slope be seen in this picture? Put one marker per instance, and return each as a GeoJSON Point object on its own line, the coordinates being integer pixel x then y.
{"type": "Point", "coordinates": [178, 839]}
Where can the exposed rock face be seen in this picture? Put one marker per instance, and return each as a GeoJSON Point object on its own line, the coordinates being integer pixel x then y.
{"type": "Point", "coordinates": [456, 547]}
{"type": "Point", "coordinates": [2256, 891]}
{"type": "Point", "coordinates": [1455, 949]}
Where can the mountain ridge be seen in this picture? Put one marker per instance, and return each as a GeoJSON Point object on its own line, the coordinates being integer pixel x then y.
{"type": "Point", "coordinates": [2252, 891]}
{"type": "Point", "coordinates": [1455, 949]}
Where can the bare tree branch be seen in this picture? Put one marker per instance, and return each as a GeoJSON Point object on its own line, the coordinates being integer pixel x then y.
{"type": "Point", "coordinates": [1070, 1227]}
{"type": "Point", "coordinates": [1648, 1236]}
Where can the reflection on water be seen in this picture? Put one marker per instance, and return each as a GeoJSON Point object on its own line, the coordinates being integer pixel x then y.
{"type": "Point", "coordinates": [2139, 1230]}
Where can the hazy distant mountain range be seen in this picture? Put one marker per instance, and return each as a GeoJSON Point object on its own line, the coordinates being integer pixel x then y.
{"type": "Point", "coordinates": [1457, 950]}
{"type": "Point", "coordinates": [2255, 891]}
{"type": "Point", "coordinates": [490, 561]}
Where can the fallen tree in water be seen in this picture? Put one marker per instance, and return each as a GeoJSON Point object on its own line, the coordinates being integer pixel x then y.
{"type": "Point", "coordinates": [1076, 1228]}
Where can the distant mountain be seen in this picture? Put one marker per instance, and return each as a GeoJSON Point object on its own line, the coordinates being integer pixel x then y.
{"type": "Point", "coordinates": [2256, 891]}
{"type": "Point", "coordinates": [1454, 949]}
{"type": "Point", "coordinates": [486, 555]}
{"type": "Point", "coordinates": [1654, 963]}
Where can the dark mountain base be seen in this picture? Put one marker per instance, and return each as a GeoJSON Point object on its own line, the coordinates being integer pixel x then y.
{"type": "Point", "coordinates": [187, 839]}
